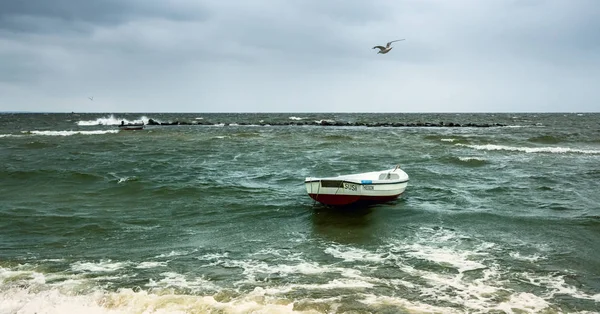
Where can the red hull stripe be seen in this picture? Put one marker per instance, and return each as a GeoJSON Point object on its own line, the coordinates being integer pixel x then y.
{"type": "Point", "coordinates": [338, 200]}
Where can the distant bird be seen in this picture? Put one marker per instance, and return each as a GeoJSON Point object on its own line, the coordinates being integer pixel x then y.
{"type": "Point", "coordinates": [387, 48]}
{"type": "Point", "coordinates": [91, 98]}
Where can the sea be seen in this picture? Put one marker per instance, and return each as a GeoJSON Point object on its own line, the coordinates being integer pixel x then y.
{"type": "Point", "coordinates": [214, 217]}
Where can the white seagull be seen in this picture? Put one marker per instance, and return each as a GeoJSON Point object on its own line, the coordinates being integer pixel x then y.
{"type": "Point", "coordinates": [387, 48]}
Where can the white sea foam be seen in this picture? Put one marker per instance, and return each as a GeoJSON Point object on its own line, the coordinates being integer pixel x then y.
{"type": "Point", "coordinates": [553, 150]}
{"type": "Point", "coordinates": [295, 118]}
{"type": "Point", "coordinates": [111, 120]}
{"type": "Point", "coordinates": [556, 285]}
{"type": "Point", "coordinates": [199, 118]}
{"type": "Point", "coordinates": [467, 159]}
{"type": "Point", "coordinates": [97, 267]}
{"type": "Point", "coordinates": [69, 133]}
{"type": "Point", "coordinates": [351, 254]}
{"type": "Point", "coordinates": [10, 135]}
{"type": "Point", "coordinates": [448, 140]}
{"type": "Point", "coordinates": [409, 306]}
{"type": "Point", "coordinates": [126, 301]}
{"type": "Point", "coordinates": [531, 258]}
{"type": "Point", "coordinates": [213, 256]}
{"type": "Point", "coordinates": [172, 254]}
{"type": "Point", "coordinates": [146, 265]}
{"type": "Point", "coordinates": [175, 280]}
{"type": "Point", "coordinates": [324, 120]}
{"type": "Point", "coordinates": [444, 256]}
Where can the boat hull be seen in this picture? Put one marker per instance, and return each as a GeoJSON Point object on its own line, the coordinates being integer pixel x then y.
{"type": "Point", "coordinates": [131, 127]}
{"type": "Point", "coordinates": [343, 200]}
{"type": "Point", "coordinates": [339, 192]}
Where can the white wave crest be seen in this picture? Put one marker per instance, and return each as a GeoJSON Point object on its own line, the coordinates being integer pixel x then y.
{"type": "Point", "coordinates": [69, 133]}
{"type": "Point", "coordinates": [98, 267]}
{"type": "Point", "coordinates": [111, 120]}
{"type": "Point", "coordinates": [467, 159]}
{"type": "Point", "coordinates": [324, 120]}
{"type": "Point", "coordinates": [553, 150]}
{"type": "Point", "coordinates": [146, 265]}
{"type": "Point", "coordinates": [295, 118]}
{"type": "Point", "coordinates": [448, 140]}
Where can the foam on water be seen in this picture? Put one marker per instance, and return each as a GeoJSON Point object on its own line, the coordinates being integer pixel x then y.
{"type": "Point", "coordinates": [172, 254]}
{"type": "Point", "coordinates": [448, 140]}
{"type": "Point", "coordinates": [350, 254]}
{"type": "Point", "coordinates": [553, 150]}
{"type": "Point", "coordinates": [69, 133]}
{"type": "Point", "coordinates": [478, 283]}
{"type": "Point", "coordinates": [112, 120]}
{"type": "Point", "coordinates": [295, 118]}
{"type": "Point", "coordinates": [467, 159]}
{"type": "Point", "coordinates": [146, 265]}
{"type": "Point", "coordinates": [531, 258]}
{"type": "Point", "coordinates": [100, 266]}
{"type": "Point", "coordinates": [175, 280]}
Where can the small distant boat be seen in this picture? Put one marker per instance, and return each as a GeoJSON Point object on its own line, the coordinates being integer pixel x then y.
{"type": "Point", "coordinates": [131, 126]}
{"type": "Point", "coordinates": [372, 187]}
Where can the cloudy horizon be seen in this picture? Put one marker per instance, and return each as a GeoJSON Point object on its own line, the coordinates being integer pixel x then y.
{"type": "Point", "coordinates": [299, 56]}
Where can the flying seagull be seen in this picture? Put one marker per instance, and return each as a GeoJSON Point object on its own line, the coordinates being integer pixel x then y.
{"type": "Point", "coordinates": [91, 98]}
{"type": "Point", "coordinates": [387, 48]}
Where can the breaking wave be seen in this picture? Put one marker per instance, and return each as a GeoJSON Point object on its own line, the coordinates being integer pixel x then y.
{"type": "Point", "coordinates": [553, 150]}
{"type": "Point", "coordinates": [69, 133]}
{"type": "Point", "coordinates": [469, 161]}
{"type": "Point", "coordinates": [111, 120]}
{"type": "Point", "coordinates": [439, 270]}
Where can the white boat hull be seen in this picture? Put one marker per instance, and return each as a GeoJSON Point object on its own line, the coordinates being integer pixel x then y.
{"type": "Point", "coordinates": [380, 186]}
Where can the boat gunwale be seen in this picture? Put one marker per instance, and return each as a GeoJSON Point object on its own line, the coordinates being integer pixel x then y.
{"type": "Point", "coordinates": [359, 183]}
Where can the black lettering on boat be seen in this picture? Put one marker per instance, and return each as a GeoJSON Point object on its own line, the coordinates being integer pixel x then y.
{"type": "Point", "coordinates": [350, 186]}
{"type": "Point", "coordinates": [331, 183]}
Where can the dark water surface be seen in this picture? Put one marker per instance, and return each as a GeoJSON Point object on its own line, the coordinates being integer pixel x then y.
{"type": "Point", "coordinates": [215, 218]}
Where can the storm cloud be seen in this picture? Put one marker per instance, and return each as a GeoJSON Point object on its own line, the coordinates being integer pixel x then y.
{"type": "Point", "coordinates": [299, 56]}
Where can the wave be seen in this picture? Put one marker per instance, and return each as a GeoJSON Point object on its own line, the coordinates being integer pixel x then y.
{"type": "Point", "coordinates": [296, 118]}
{"type": "Point", "coordinates": [469, 161]}
{"type": "Point", "coordinates": [69, 133]}
{"type": "Point", "coordinates": [111, 120]}
{"type": "Point", "coordinates": [10, 135]}
{"type": "Point", "coordinates": [330, 121]}
{"type": "Point", "coordinates": [447, 139]}
{"type": "Point", "coordinates": [443, 269]}
{"type": "Point", "coordinates": [553, 150]}
{"type": "Point", "coordinates": [545, 139]}
{"type": "Point", "coordinates": [338, 137]}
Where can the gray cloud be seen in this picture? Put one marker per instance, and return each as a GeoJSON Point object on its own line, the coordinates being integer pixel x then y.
{"type": "Point", "coordinates": [275, 55]}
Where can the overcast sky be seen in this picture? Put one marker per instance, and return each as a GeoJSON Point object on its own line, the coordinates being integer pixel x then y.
{"type": "Point", "coordinates": [299, 55]}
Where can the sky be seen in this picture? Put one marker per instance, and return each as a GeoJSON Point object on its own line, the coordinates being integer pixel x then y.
{"type": "Point", "coordinates": [299, 56]}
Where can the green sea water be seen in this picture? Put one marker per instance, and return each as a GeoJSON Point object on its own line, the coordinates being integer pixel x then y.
{"type": "Point", "coordinates": [215, 218]}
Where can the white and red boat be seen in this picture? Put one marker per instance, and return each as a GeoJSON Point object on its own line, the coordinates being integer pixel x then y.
{"type": "Point", "coordinates": [377, 186]}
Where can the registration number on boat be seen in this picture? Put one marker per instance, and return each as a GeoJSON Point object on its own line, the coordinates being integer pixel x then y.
{"type": "Point", "coordinates": [350, 186]}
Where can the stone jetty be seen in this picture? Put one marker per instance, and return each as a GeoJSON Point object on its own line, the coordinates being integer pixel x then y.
{"type": "Point", "coordinates": [336, 123]}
